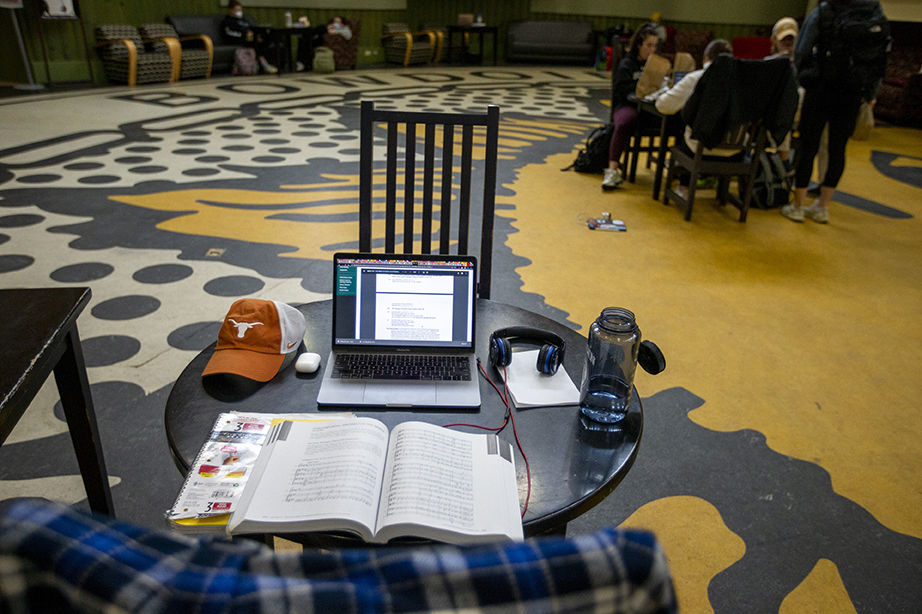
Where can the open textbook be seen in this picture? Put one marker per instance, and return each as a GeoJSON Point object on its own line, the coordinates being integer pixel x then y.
{"type": "Point", "coordinates": [352, 475]}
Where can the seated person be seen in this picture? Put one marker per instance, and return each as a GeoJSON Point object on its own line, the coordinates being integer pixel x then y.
{"type": "Point", "coordinates": [673, 100]}
{"type": "Point", "coordinates": [784, 35]}
{"type": "Point", "coordinates": [313, 37]}
{"type": "Point", "coordinates": [56, 559]}
{"type": "Point", "coordinates": [624, 113]}
{"type": "Point", "coordinates": [238, 30]}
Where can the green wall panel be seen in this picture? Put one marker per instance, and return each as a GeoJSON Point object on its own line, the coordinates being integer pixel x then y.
{"type": "Point", "coordinates": [64, 41]}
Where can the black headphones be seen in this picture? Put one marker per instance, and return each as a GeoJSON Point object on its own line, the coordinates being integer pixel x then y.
{"type": "Point", "coordinates": [550, 356]}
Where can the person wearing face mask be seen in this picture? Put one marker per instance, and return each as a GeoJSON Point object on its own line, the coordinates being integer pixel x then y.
{"type": "Point", "coordinates": [238, 30]}
{"type": "Point", "coordinates": [624, 113]}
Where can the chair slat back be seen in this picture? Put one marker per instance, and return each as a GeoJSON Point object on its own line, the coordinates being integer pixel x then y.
{"type": "Point", "coordinates": [442, 199]}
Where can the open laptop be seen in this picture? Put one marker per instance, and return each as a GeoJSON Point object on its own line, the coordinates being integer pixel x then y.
{"type": "Point", "coordinates": [399, 308]}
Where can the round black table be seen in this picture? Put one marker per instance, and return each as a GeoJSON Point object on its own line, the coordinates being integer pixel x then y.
{"type": "Point", "coordinates": [574, 463]}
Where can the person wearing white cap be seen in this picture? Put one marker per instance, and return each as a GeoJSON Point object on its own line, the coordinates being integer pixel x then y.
{"type": "Point", "coordinates": [784, 35]}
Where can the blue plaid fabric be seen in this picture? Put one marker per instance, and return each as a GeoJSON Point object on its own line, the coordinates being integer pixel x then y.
{"type": "Point", "coordinates": [56, 559]}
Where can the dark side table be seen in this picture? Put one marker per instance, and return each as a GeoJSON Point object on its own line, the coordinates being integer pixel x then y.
{"type": "Point", "coordinates": [480, 31]}
{"type": "Point", "coordinates": [574, 463]}
{"type": "Point", "coordinates": [38, 337]}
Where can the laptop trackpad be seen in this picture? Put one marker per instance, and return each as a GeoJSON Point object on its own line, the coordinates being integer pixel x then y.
{"type": "Point", "coordinates": [400, 393]}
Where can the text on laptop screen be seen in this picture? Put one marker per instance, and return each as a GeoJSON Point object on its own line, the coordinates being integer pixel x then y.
{"type": "Point", "coordinates": [403, 301]}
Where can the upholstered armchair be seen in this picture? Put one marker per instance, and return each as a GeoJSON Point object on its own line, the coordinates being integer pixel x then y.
{"type": "Point", "coordinates": [405, 47]}
{"type": "Point", "coordinates": [192, 55]}
{"type": "Point", "coordinates": [900, 96]}
{"type": "Point", "coordinates": [345, 52]}
{"type": "Point", "coordinates": [127, 60]}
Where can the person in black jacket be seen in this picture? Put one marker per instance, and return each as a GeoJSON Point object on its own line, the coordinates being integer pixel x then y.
{"type": "Point", "coordinates": [238, 30]}
{"type": "Point", "coordinates": [624, 114]}
{"type": "Point", "coordinates": [827, 100]}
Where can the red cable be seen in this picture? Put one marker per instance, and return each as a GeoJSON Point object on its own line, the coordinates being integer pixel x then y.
{"type": "Point", "coordinates": [527, 469]}
{"type": "Point", "coordinates": [504, 396]}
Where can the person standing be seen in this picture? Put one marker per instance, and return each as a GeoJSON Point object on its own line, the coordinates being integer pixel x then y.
{"type": "Point", "coordinates": [840, 56]}
{"type": "Point", "coordinates": [624, 113]}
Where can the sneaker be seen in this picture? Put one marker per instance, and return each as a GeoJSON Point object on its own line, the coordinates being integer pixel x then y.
{"type": "Point", "coordinates": [681, 191]}
{"type": "Point", "coordinates": [299, 67]}
{"type": "Point", "coordinates": [269, 68]}
{"type": "Point", "coordinates": [818, 214]}
{"type": "Point", "coordinates": [707, 183]}
{"type": "Point", "coordinates": [612, 179]}
{"type": "Point", "coordinates": [793, 212]}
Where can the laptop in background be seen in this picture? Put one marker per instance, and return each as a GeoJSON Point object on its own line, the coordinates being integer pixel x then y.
{"type": "Point", "coordinates": [415, 315]}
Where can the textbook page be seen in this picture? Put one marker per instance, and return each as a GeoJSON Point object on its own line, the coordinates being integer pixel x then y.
{"type": "Point", "coordinates": [449, 486]}
{"type": "Point", "coordinates": [315, 476]}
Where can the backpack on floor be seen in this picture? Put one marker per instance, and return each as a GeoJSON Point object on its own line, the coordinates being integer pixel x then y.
{"type": "Point", "coordinates": [324, 62]}
{"type": "Point", "coordinates": [594, 158]}
{"type": "Point", "coordinates": [851, 53]}
{"type": "Point", "coordinates": [772, 185]}
{"type": "Point", "coordinates": [245, 61]}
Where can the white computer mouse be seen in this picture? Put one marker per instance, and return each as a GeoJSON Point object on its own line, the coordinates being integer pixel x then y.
{"type": "Point", "coordinates": [307, 362]}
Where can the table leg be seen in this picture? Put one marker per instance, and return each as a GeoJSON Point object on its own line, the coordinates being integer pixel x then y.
{"type": "Point", "coordinates": [559, 531]}
{"type": "Point", "coordinates": [660, 160]}
{"type": "Point", "coordinates": [74, 389]}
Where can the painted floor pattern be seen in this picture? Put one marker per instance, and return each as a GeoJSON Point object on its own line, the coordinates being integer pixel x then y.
{"type": "Point", "coordinates": [171, 202]}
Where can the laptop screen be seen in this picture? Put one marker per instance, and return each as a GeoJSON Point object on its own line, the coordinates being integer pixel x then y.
{"type": "Point", "coordinates": [401, 300]}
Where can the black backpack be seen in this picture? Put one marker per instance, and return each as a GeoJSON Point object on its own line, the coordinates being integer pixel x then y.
{"type": "Point", "coordinates": [594, 158]}
{"type": "Point", "coordinates": [853, 44]}
{"type": "Point", "coordinates": [772, 185]}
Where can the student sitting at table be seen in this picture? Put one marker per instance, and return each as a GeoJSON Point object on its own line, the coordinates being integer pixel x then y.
{"type": "Point", "coordinates": [673, 100]}
{"type": "Point", "coordinates": [624, 113]}
{"type": "Point", "coordinates": [238, 30]}
{"type": "Point", "coordinates": [313, 38]}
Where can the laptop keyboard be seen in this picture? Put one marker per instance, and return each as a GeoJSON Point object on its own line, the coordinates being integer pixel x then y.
{"type": "Point", "coordinates": [401, 367]}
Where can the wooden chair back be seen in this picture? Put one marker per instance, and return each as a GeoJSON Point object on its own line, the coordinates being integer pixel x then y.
{"type": "Point", "coordinates": [429, 162]}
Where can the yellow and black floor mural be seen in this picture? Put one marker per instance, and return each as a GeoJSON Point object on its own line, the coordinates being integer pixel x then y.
{"type": "Point", "coordinates": [779, 463]}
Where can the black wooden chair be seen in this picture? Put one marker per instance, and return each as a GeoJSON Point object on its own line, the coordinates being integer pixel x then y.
{"type": "Point", "coordinates": [748, 140]}
{"type": "Point", "coordinates": [450, 220]}
{"type": "Point", "coordinates": [735, 105]}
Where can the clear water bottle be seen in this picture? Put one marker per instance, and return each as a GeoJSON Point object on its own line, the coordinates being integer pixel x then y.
{"type": "Point", "coordinates": [611, 359]}
{"type": "Point", "coordinates": [287, 19]}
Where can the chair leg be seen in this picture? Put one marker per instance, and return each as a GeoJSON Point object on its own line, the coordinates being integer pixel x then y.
{"type": "Point", "coordinates": [723, 187]}
{"type": "Point", "coordinates": [670, 174]}
{"type": "Point", "coordinates": [638, 147]}
{"type": "Point", "coordinates": [692, 187]}
{"type": "Point", "coordinates": [747, 198]}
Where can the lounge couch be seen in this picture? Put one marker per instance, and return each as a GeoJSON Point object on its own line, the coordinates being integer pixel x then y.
{"type": "Point", "coordinates": [551, 42]}
{"type": "Point", "coordinates": [210, 25]}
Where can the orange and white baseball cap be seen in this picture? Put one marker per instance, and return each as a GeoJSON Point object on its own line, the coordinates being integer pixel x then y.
{"type": "Point", "coordinates": [255, 338]}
